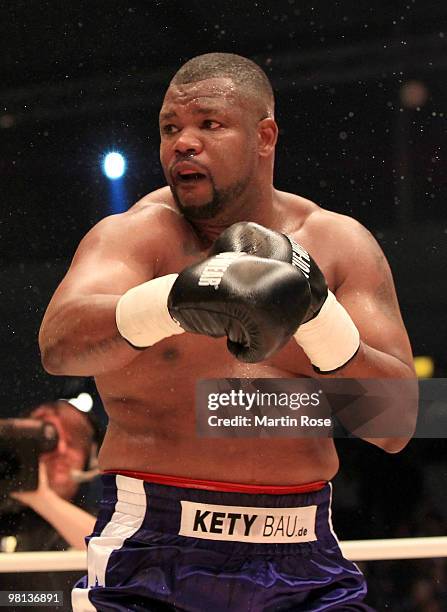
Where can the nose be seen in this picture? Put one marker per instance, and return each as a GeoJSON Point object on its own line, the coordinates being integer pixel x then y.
{"type": "Point", "coordinates": [188, 143]}
{"type": "Point", "coordinates": [62, 446]}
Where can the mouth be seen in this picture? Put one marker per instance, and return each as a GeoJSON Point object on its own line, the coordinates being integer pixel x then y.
{"type": "Point", "coordinates": [187, 173]}
{"type": "Point", "coordinates": [188, 176]}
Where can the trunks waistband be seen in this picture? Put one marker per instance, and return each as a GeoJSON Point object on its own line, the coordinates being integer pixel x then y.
{"type": "Point", "coordinates": [214, 517]}
{"type": "Point", "coordinates": [213, 485]}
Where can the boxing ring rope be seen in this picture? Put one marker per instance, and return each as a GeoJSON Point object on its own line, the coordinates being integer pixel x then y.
{"type": "Point", "coordinates": [355, 550]}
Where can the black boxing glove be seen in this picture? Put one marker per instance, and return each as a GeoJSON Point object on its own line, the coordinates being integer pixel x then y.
{"type": "Point", "coordinates": [251, 300]}
{"type": "Point", "coordinates": [255, 239]}
{"type": "Point", "coordinates": [327, 333]}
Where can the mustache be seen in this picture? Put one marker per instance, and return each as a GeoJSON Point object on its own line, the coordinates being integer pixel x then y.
{"type": "Point", "coordinates": [188, 158]}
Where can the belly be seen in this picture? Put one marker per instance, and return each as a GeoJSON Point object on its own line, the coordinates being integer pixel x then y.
{"type": "Point", "coordinates": [151, 409]}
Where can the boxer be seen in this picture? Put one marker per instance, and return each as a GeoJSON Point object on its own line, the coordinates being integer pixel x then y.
{"type": "Point", "coordinates": [219, 274]}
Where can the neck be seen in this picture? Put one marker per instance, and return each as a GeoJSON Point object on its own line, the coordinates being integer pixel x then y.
{"type": "Point", "coordinates": [260, 207]}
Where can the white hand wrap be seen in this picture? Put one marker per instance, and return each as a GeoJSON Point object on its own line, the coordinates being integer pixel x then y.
{"type": "Point", "coordinates": [142, 314]}
{"type": "Point", "coordinates": [331, 338]}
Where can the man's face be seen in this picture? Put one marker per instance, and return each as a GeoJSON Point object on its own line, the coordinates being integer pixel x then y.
{"type": "Point", "coordinates": [71, 451]}
{"type": "Point", "coordinates": [208, 146]}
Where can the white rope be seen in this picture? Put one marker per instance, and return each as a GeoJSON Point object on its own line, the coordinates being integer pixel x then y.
{"type": "Point", "coordinates": [396, 548]}
{"type": "Point", "coordinates": [53, 561]}
{"type": "Point", "coordinates": [355, 550]}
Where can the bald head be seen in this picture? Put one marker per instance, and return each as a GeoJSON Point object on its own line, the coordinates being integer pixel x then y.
{"type": "Point", "coordinates": [250, 81]}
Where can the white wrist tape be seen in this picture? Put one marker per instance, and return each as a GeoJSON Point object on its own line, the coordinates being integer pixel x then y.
{"type": "Point", "coordinates": [331, 338]}
{"type": "Point", "coordinates": [142, 314]}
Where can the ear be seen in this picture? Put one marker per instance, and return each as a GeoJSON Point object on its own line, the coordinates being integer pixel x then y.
{"type": "Point", "coordinates": [267, 136]}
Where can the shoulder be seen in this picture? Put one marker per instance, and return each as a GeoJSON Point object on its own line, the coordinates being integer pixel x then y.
{"type": "Point", "coordinates": [301, 216]}
{"type": "Point", "coordinates": [162, 197]}
{"type": "Point", "coordinates": [145, 221]}
{"type": "Point", "coordinates": [334, 226]}
{"type": "Point", "coordinates": [307, 221]}
{"type": "Point", "coordinates": [356, 254]}
{"type": "Point", "coordinates": [337, 242]}
{"type": "Point", "coordinates": [138, 236]}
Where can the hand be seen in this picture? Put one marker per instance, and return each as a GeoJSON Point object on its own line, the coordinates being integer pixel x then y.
{"type": "Point", "coordinates": [326, 332]}
{"type": "Point", "coordinates": [33, 498]}
{"type": "Point", "coordinates": [257, 303]}
{"type": "Point", "coordinates": [257, 240]}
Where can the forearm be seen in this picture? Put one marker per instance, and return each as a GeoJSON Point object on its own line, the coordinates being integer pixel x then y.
{"type": "Point", "coordinates": [400, 389]}
{"type": "Point", "coordinates": [372, 363]}
{"type": "Point", "coordinates": [81, 338]}
{"type": "Point", "coordinates": [69, 520]}
{"type": "Point", "coordinates": [334, 346]}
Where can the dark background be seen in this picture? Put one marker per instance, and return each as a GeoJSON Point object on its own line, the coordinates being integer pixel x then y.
{"type": "Point", "coordinates": [361, 104]}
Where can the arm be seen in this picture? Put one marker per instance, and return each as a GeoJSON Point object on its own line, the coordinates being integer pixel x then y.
{"type": "Point", "coordinates": [367, 291]}
{"type": "Point", "coordinates": [356, 333]}
{"type": "Point", "coordinates": [78, 335]}
{"type": "Point", "coordinates": [69, 520]}
{"type": "Point", "coordinates": [365, 288]}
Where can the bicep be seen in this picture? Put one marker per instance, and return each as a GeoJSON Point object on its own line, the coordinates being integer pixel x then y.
{"type": "Point", "coordinates": [103, 265]}
{"type": "Point", "coordinates": [368, 294]}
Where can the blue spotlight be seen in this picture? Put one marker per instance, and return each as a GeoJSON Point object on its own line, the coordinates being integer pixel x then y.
{"type": "Point", "coordinates": [114, 165]}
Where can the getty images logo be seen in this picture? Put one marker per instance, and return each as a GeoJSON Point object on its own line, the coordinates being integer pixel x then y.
{"type": "Point", "coordinates": [215, 269]}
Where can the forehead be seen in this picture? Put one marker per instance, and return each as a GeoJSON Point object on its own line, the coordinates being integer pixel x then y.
{"type": "Point", "coordinates": [217, 92]}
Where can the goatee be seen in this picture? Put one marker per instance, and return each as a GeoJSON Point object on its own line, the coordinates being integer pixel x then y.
{"type": "Point", "coordinates": [213, 208]}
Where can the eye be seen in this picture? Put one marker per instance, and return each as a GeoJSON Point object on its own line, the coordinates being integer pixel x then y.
{"type": "Point", "coordinates": [210, 124]}
{"type": "Point", "coordinates": [169, 128]}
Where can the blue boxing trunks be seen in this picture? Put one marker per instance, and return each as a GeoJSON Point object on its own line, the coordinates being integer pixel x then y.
{"type": "Point", "coordinates": [163, 543]}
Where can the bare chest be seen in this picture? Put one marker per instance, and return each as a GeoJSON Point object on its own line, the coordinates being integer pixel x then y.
{"type": "Point", "coordinates": [166, 373]}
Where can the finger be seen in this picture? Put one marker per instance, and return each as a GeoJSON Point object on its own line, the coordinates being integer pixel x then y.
{"type": "Point", "coordinates": [43, 473]}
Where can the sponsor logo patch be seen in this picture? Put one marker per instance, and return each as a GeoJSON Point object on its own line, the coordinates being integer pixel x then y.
{"type": "Point", "coordinates": [248, 524]}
